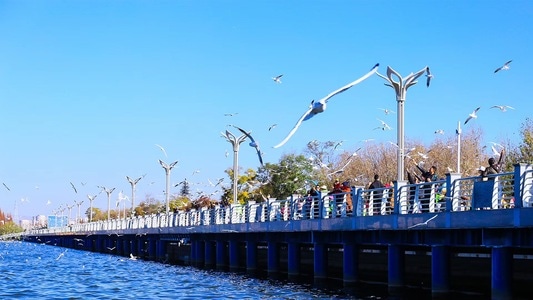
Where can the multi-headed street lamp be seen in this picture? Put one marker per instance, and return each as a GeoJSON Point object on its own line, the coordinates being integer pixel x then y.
{"type": "Point", "coordinates": [235, 142]}
{"type": "Point", "coordinates": [91, 199]}
{"type": "Point", "coordinates": [108, 192]}
{"type": "Point", "coordinates": [168, 168]}
{"type": "Point", "coordinates": [133, 183]}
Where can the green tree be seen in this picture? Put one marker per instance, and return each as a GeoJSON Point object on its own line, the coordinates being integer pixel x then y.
{"type": "Point", "coordinates": [523, 153]}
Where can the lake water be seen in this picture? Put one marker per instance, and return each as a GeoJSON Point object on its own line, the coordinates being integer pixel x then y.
{"type": "Point", "coordinates": [40, 271]}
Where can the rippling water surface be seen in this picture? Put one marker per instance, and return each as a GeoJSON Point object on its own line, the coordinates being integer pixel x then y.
{"type": "Point", "coordinates": [39, 271]}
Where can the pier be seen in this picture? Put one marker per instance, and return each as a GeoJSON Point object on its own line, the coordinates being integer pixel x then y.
{"type": "Point", "coordinates": [443, 233]}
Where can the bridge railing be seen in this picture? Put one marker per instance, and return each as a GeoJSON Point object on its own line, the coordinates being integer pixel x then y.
{"type": "Point", "coordinates": [499, 191]}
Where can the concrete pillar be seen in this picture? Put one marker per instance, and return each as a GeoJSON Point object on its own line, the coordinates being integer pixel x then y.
{"type": "Point", "coordinates": [396, 263]}
{"type": "Point", "coordinates": [502, 273]}
{"type": "Point", "coordinates": [221, 254]}
{"type": "Point", "coordinates": [293, 249]}
{"type": "Point", "coordinates": [193, 252]}
{"type": "Point", "coordinates": [210, 254]}
{"type": "Point", "coordinates": [440, 269]}
{"type": "Point", "coordinates": [320, 261]}
{"type": "Point", "coordinates": [200, 254]}
{"type": "Point", "coordinates": [233, 255]}
{"type": "Point", "coordinates": [273, 257]}
{"type": "Point", "coordinates": [251, 256]}
{"type": "Point", "coordinates": [350, 263]}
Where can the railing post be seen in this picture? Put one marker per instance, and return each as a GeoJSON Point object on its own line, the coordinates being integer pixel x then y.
{"type": "Point", "coordinates": [400, 199]}
{"type": "Point", "coordinates": [359, 204]}
{"type": "Point", "coordinates": [453, 191]}
{"type": "Point", "coordinates": [523, 185]}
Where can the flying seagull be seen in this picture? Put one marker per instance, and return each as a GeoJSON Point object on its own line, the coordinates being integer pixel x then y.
{"type": "Point", "coordinates": [73, 187]}
{"type": "Point", "coordinates": [319, 106]}
{"type": "Point", "coordinates": [503, 108]}
{"type": "Point", "coordinates": [387, 111]}
{"type": "Point", "coordinates": [252, 143]}
{"type": "Point", "coordinates": [162, 149]}
{"type": "Point", "coordinates": [384, 126]}
{"type": "Point", "coordinates": [6, 186]}
{"type": "Point", "coordinates": [230, 115]}
{"type": "Point", "coordinates": [429, 76]}
{"type": "Point", "coordinates": [277, 79]}
{"type": "Point", "coordinates": [472, 115]}
{"type": "Point", "coordinates": [439, 131]}
{"type": "Point", "coordinates": [504, 67]}
{"type": "Point", "coordinates": [272, 126]}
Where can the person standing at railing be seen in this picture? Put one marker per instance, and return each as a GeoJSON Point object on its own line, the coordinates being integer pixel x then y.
{"type": "Point", "coordinates": [347, 190]}
{"type": "Point", "coordinates": [377, 195]}
{"type": "Point", "coordinates": [494, 168]}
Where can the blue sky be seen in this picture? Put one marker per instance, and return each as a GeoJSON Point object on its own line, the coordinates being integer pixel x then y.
{"type": "Point", "coordinates": [87, 88]}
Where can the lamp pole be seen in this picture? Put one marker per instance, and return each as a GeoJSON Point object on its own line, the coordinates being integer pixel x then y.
{"type": "Point", "coordinates": [78, 216]}
{"type": "Point", "coordinates": [69, 213]}
{"type": "Point", "coordinates": [235, 142]}
{"type": "Point", "coordinates": [400, 87]}
{"type": "Point", "coordinates": [458, 133]}
{"type": "Point", "coordinates": [133, 183]}
{"type": "Point", "coordinates": [168, 168]}
{"type": "Point", "coordinates": [91, 199]}
{"type": "Point", "coordinates": [108, 192]}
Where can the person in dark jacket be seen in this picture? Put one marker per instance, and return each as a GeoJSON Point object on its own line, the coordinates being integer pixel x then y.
{"type": "Point", "coordinates": [378, 195]}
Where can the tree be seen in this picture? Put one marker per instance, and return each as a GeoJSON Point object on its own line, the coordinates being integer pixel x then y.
{"type": "Point", "coordinates": [523, 153]}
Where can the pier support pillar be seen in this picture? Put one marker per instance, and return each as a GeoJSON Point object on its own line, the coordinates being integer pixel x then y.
{"type": "Point", "coordinates": [233, 255]}
{"type": "Point", "coordinates": [251, 256]}
{"type": "Point", "coordinates": [320, 261]}
{"type": "Point", "coordinates": [396, 264]}
{"type": "Point", "coordinates": [293, 267]}
{"type": "Point", "coordinates": [440, 269]}
{"type": "Point", "coordinates": [160, 250]}
{"type": "Point", "coordinates": [350, 263]}
{"type": "Point", "coordinates": [210, 258]}
{"type": "Point", "coordinates": [193, 252]}
{"type": "Point", "coordinates": [502, 273]}
{"type": "Point", "coordinates": [273, 257]}
{"type": "Point", "coordinates": [151, 249]}
{"type": "Point", "coordinates": [200, 254]}
{"type": "Point", "coordinates": [221, 255]}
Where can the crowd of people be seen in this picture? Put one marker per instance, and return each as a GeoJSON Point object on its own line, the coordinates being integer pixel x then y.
{"type": "Point", "coordinates": [341, 192]}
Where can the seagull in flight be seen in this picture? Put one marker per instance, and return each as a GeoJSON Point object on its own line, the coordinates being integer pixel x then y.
{"type": "Point", "coordinates": [162, 149]}
{"type": "Point", "coordinates": [6, 186]}
{"type": "Point", "coordinates": [384, 126]}
{"type": "Point", "coordinates": [272, 126]}
{"type": "Point", "coordinates": [277, 79]}
{"type": "Point", "coordinates": [423, 223]}
{"type": "Point", "coordinates": [319, 106]}
{"type": "Point", "coordinates": [439, 131]}
{"type": "Point", "coordinates": [230, 115]}
{"type": "Point", "coordinates": [504, 67]}
{"type": "Point", "coordinates": [472, 115]}
{"type": "Point", "coordinates": [73, 187]}
{"type": "Point", "coordinates": [252, 143]}
{"type": "Point", "coordinates": [387, 111]}
{"type": "Point", "coordinates": [503, 108]}
{"type": "Point", "coordinates": [429, 76]}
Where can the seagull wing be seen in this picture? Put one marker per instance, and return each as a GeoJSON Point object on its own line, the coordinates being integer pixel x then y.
{"type": "Point", "coordinates": [497, 106]}
{"type": "Point", "coordinates": [305, 115]}
{"type": "Point", "coordinates": [253, 142]}
{"type": "Point", "coordinates": [507, 63]}
{"type": "Point", "coordinates": [162, 149]}
{"type": "Point", "coordinates": [73, 187]}
{"type": "Point", "coordinates": [349, 85]}
{"type": "Point", "coordinates": [6, 186]}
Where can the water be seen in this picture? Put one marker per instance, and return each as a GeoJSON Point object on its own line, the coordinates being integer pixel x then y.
{"type": "Point", "coordinates": [40, 271]}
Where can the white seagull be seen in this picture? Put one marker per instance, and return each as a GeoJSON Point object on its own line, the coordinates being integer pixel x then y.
{"type": "Point", "coordinates": [319, 106]}
{"type": "Point", "coordinates": [73, 187]}
{"type": "Point", "coordinates": [429, 76]}
{"type": "Point", "coordinates": [439, 131]}
{"type": "Point", "coordinates": [503, 108]}
{"type": "Point", "coordinates": [7, 188]}
{"type": "Point", "coordinates": [387, 111]}
{"type": "Point", "coordinates": [504, 67]}
{"type": "Point", "coordinates": [162, 149]}
{"type": "Point", "coordinates": [252, 143]}
{"type": "Point", "coordinates": [472, 115]}
{"type": "Point", "coordinates": [384, 126]}
{"type": "Point", "coordinates": [277, 79]}
{"type": "Point", "coordinates": [272, 126]}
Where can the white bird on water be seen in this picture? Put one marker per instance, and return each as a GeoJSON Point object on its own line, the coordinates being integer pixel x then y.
{"type": "Point", "coordinates": [504, 67]}
{"type": "Point", "coordinates": [319, 106]}
{"type": "Point", "coordinates": [503, 108]}
{"type": "Point", "coordinates": [472, 115]}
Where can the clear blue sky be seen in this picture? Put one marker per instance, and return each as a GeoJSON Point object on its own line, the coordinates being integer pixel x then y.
{"type": "Point", "coordinates": [87, 88]}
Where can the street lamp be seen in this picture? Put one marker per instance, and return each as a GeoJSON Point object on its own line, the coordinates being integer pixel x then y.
{"type": "Point", "coordinates": [78, 216]}
{"type": "Point", "coordinates": [400, 87]}
{"type": "Point", "coordinates": [167, 168]}
{"type": "Point", "coordinates": [458, 133]}
{"type": "Point", "coordinates": [108, 192]}
{"type": "Point", "coordinates": [91, 199]}
{"type": "Point", "coordinates": [235, 142]}
{"type": "Point", "coordinates": [133, 183]}
{"type": "Point", "coordinates": [69, 213]}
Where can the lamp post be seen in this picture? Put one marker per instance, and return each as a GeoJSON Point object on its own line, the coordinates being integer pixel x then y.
{"type": "Point", "coordinates": [458, 133]}
{"type": "Point", "coordinates": [69, 213]}
{"type": "Point", "coordinates": [400, 87]}
{"type": "Point", "coordinates": [78, 216]}
{"type": "Point", "coordinates": [133, 183]}
{"type": "Point", "coordinates": [91, 199]}
{"type": "Point", "coordinates": [235, 142]}
{"type": "Point", "coordinates": [168, 168]}
{"type": "Point", "coordinates": [108, 192]}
